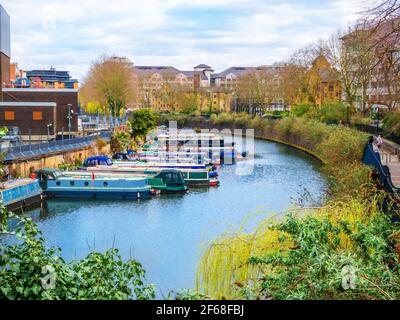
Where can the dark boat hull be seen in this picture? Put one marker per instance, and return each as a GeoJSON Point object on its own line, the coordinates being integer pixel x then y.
{"type": "Point", "coordinates": [99, 195]}
{"type": "Point", "coordinates": [25, 204]}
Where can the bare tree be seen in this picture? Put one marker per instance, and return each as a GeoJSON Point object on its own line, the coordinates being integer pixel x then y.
{"type": "Point", "coordinates": [308, 78]}
{"type": "Point", "coordinates": [291, 83]}
{"type": "Point", "coordinates": [349, 53]}
{"type": "Point", "coordinates": [256, 88]}
{"type": "Point", "coordinates": [382, 25]}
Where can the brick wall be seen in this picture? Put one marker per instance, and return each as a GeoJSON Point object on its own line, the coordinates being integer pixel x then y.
{"type": "Point", "coordinates": [61, 97]}
{"type": "Point", "coordinates": [4, 69]}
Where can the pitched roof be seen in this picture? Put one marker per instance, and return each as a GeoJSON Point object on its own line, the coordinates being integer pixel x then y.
{"type": "Point", "coordinates": [166, 71]}
{"type": "Point", "coordinates": [188, 74]}
{"type": "Point", "coordinates": [238, 71]}
{"type": "Point", "coordinates": [202, 66]}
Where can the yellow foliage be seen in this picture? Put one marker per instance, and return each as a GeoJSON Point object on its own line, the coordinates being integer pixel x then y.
{"type": "Point", "coordinates": [224, 266]}
{"type": "Point", "coordinates": [225, 263]}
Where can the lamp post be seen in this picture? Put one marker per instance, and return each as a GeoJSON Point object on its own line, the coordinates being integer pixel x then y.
{"type": "Point", "coordinates": [377, 120]}
{"type": "Point", "coordinates": [48, 131]}
{"type": "Point", "coordinates": [69, 117]}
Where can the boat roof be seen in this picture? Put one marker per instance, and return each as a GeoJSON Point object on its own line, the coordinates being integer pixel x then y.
{"type": "Point", "coordinates": [108, 178]}
{"type": "Point", "coordinates": [143, 169]}
{"type": "Point", "coordinates": [48, 170]}
{"type": "Point", "coordinates": [115, 173]}
{"type": "Point", "coordinates": [162, 165]}
{"type": "Point", "coordinates": [16, 183]}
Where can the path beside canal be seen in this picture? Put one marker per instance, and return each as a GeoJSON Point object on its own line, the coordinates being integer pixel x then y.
{"type": "Point", "coordinates": [390, 156]}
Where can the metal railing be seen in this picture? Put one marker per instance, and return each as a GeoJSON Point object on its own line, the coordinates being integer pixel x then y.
{"type": "Point", "coordinates": [33, 150]}
{"type": "Point", "coordinates": [373, 159]}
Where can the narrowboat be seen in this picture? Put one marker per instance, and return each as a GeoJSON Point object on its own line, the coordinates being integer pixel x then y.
{"type": "Point", "coordinates": [192, 177]}
{"type": "Point", "coordinates": [56, 184]}
{"type": "Point", "coordinates": [164, 156]}
{"type": "Point", "coordinates": [164, 165]}
{"type": "Point", "coordinates": [20, 194]}
{"type": "Point", "coordinates": [101, 160]}
{"type": "Point", "coordinates": [166, 181]}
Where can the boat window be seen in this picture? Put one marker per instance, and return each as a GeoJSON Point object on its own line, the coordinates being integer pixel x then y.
{"type": "Point", "coordinates": [72, 183]}
{"type": "Point", "coordinates": [172, 176]}
{"type": "Point", "coordinates": [57, 174]}
{"type": "Point", "coordinates": [105, 184]}
{"type": "Point", "coordinates": [86, 183]}
{"type": "Point", "coordinates": [58, 183]}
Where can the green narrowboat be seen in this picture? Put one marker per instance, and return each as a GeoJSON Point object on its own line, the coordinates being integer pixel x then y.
{"type": "Point", "coordinates": [165, 181]}
{"type": "Point", "coordinates": [192, 177]}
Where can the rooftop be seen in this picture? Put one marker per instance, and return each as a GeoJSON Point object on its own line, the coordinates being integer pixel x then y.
{"type": "Point", "coordinates": [39, 90]}
{"type": "Point", "coordinates": [202, 66]}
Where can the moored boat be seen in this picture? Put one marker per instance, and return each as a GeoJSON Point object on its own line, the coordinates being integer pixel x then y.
{"type": "Point", "coordinates": [56, 184]}
{"type": "Point", "coordinates": [165, 165]}
{"type": "Point", "coordinates": [165, 181]}
{"type": "Point", "coordinates": [19, 194]}
{"type": "Point", "coordinates": [192, 177]}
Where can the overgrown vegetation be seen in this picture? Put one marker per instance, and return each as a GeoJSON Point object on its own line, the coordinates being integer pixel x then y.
{"type": "Point", "coordinates": [391, 124]}
{"type": "Point", "coordinates": [30, 271]}
{"type": "Point", "coordinates": [120, 141]}
{"type": "Point", "coordinates": [348, 249]}
{"type": "Point", "coordinates": [75, 165]}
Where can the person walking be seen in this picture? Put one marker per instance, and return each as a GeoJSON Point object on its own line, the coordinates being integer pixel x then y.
{"type": "Point", "coordinates": [379, 142]}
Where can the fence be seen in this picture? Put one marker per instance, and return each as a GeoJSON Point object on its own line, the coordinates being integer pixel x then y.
{"type": "Point", "coordinates": [50, 147]}
{"type": "Point", "coordinates": [373, 158]}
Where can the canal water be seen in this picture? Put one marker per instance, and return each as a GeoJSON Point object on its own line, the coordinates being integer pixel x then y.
{"type": "Point", "coordinates": [168, 234]}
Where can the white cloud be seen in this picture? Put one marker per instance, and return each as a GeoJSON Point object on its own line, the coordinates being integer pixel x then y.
{"type": "Point", "coordinates": [70, 34]}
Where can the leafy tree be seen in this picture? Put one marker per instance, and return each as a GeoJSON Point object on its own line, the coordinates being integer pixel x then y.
{"type": "Point", "coordinates": [30, 271]}
{"type": "Point", "coordinates": [142, 121]}
{"type": "Point", "coordinates": [111, 82]}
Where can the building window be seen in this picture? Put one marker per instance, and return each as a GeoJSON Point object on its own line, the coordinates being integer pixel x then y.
{"type": "Point", "coordinates": [37, 115]}
{"type": "Point", "coordinates": [9, 115]}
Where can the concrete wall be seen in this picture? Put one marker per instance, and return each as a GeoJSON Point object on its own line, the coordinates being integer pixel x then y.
{"type": "Point", "coordinates": [25, 168]}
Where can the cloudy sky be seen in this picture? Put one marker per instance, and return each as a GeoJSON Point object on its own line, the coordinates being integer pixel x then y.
{"type": "Point", "coordinates": [69, 34]}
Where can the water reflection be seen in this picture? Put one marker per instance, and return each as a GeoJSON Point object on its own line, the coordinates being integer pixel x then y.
{"type": "Point", "coordinates": [167, 234]}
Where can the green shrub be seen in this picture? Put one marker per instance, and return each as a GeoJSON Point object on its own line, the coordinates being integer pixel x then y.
{"type": "Point", "coordinates": [317, 264]}
{"type": "Point", "coordinates": [333, 113]}
{"type": "Point", "coordinates": [342, 145]}
{"type": "Point", "coordinates": [31, 271]}
{"type": "Point", "coordinates": [120, 141]}
{"type": "Point", "coordinates": [301, 110]}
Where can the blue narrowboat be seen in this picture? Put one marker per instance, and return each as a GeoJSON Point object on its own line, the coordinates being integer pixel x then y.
{"type": "Point", "coordinates": [19, 194]}
{"type": "Point", "coordinates": [56, 184]}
